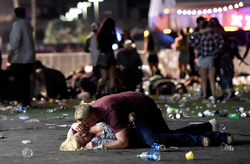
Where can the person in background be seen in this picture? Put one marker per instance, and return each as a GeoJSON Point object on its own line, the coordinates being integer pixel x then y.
{"type": "Point", "coordinates": [208, 43]}
{"type": "Point", "coordinates": [199, 22]}
{"type": "Point", "coordinates": [227, 68]}
{"type": "Point", "coordinates": [22, 55]}
{"type": "Point", "coordinates": [53, 81]}
{"type": "Point", "coordinates": [129, 62]}
{"type": "Point", "coordinates": [151, 47]}
{"type": "Point", "coordinates": [247, 48]}
{"type": "Point", "coordinates": [125, 36]}
{"type": "Point", "coordinates": [91, 46]}
{"type": "Point", "coordinates": [106, 37]}
{"type": "Point", "coordinates": [181, 46]}
{"type": "Point", "coordinates": [217, 27]}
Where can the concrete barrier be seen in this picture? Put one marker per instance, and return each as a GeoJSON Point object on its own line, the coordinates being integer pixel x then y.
{"type": "Point", "coordinates": [67, 62]}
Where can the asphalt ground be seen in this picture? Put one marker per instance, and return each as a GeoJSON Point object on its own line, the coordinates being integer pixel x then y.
{"type": "Point", "coordinates": [47, 135]}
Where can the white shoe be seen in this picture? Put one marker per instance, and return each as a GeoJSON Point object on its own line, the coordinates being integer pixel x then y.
{"type": "Point", "coordinates": [215, 126]}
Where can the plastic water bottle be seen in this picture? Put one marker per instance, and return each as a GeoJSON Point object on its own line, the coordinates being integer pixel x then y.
{"type": "Point", "coordinates": [233, 116]}
{"type": "Point", "coordinates": [158, 147]}
{"type": "Point", "coordinates": [240, 109]}
{"type": "Point", "coordinates": [27, 152]}
{"type": "Point", "coordinates": [149, 156]}
{"type": "Point", "coordinates": [225, 147]}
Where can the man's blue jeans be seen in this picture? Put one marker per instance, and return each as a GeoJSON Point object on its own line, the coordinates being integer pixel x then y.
{"type": "Point", "coordinates": [151, 128]}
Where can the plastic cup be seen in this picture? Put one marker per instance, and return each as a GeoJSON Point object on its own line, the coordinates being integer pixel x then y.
{"type": "Point", "coordinates": [27, 152]}
{"type": "Point", "coordinates": [190, 155]}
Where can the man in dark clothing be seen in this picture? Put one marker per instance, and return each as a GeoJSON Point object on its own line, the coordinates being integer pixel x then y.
{"type": "Point", "coordinates": [22, 56]}
{"type": "Point", "coordinates": [129, 62]}
{"type": "Point", "coordinates": [54, 81]}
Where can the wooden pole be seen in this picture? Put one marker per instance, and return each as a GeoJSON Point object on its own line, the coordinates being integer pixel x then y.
{"type": "Point", "coordinates": [33, 17]}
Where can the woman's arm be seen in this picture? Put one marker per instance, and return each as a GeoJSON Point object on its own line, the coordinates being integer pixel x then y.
{"type": "Point", "coordinates": [143, 52]}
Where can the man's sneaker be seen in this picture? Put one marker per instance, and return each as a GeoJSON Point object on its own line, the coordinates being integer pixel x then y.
{"type": "Point", "coordinates": [215, 126]}
{"type": "Point", "coordinates": [229, 140]}
{"type": "Point", "coordinates": [206, 141]}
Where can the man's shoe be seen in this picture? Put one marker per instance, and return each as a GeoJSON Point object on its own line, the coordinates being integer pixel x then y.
{"type": "Point", "coordinates": [206, 141]}
{"type": "Point", "coordinates": [215, 126]}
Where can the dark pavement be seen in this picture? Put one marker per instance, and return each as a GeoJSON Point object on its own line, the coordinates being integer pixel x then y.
{"type": "Point", "coordinates": [48, 134]}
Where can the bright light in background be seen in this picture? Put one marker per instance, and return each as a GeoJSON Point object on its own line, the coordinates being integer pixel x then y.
{"type": "Point", "coordinates": [167, 31]}
{"type": "Point", "coordinates": [62, 18]}
{"type": "Point", "coordinates": [215, 10]}
{"type": "Point", "coordinates": [166, 11]}
{"type": "Point", "coordinates": [247, 17]}
{"type": "Point", "coordinates": [219, 9]}
{"type": "Point", "coordinates": [83, 5]}
{"type": "Point", "coordinates": [225, 8]}
{"type": "Point", "coordinates": [184, 12]}
{"type": "Point", "coordinates": [230, 7]}
{"type": "Point", "coordinates": [190, 30]}
{"type": "Point", "coordinates": [204, 11]}
{"type": "Point", "coordinates": [241, 4]}
{"type": "Point", "coordinates": [246, 28]}
{"type": "Point", "coordinates": [199, 12]}
{"type": "Point", "coordinates": [146, 33]}
{"type": "Point", "coordinates": [194, 12]}
{"type": "Point", "coordinates": [189, 12]}
{"type": "Point", "coordinates": [69, 16]}
{"type": "Point", "coordinates": [179, 12]}
{"type": "Point", "coordinates": [236, 6]}
{"type": "Point", "coordinates": [230, 28]}
{"type": "Point", "coordinates": [236, 20]}
{"type": "Point", "coordinates": [75, 11]}
{"type": "Point", "coordinates": [209, 11]}
{"type": "Point", "coordinates": [118, 35]}
{"type": "Point", "coordinates": [114, 46]}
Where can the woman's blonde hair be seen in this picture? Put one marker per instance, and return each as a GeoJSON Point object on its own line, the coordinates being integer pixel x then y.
{"type": "Point", "coordinates": [83, 111]}
{"type": "Point", "coordinates": [70, 144]}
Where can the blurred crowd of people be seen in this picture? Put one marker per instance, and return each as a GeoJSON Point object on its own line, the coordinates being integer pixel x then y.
{"type": "Point", "coordinates": [208, 52]}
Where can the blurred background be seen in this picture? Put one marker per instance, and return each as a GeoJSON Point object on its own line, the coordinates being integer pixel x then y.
{"type": "Point", "coordinates": [62, 26]}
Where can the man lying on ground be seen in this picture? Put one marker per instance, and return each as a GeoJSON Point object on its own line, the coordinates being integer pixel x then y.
{"type": "Point", "coordinates": [150, 126]}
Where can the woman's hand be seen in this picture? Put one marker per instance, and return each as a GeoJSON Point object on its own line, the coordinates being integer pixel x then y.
{"type": "Point", "coordinates": [90, 146]}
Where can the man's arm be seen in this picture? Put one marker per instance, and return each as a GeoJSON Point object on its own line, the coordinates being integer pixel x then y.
{"type": "Point", "coordinates": [121, 142]}
{"type": "Point", "coordinates": [86, 47]}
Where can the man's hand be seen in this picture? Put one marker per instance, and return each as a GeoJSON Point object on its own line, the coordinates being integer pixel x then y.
{"type": "Point", "coordinates": [90, 146]}
{"type": "Point", "coordinates": [79, 127]}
